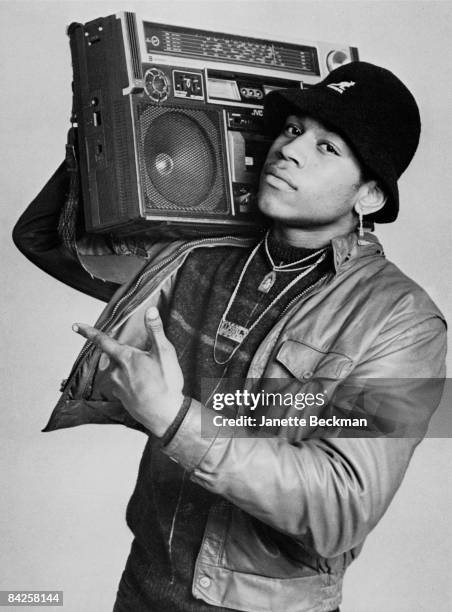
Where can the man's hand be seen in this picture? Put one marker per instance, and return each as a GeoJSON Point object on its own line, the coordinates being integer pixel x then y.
{"type": "Point", "coordinates": [148, 383]}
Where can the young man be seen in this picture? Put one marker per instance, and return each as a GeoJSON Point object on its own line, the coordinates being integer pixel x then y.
{"type": "Point", "coordinates": [226, 518]}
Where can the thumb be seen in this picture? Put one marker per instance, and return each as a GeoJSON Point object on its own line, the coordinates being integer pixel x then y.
{"type": "Point", "coordinates": [104, 361]}
{"type": "Point", "coordinates": [154, 328]}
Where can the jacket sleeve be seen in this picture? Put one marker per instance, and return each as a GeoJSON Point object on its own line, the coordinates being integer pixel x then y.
{"type": "Point", "coordinates": [327, 492]}
{"type": "Point", "coordinates": [36, 236]}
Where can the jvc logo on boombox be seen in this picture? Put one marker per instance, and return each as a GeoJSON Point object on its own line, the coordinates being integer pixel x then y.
{"type": "Point", "coordinates": [169, 118]}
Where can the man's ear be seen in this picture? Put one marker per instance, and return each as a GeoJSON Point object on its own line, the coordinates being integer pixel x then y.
{"type": "Point", "coordinates": [370, 198]}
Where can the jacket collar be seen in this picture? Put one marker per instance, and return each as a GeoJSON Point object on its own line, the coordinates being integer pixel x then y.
{"type": "Point", "coordinates": [347, 248]}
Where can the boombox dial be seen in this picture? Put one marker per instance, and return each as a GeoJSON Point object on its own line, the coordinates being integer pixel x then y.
{"type": "Point", "coordinates": [156, 84]}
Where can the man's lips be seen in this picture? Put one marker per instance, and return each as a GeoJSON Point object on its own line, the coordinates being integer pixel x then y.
{"type": "Point", "coordinates": [273, 171]}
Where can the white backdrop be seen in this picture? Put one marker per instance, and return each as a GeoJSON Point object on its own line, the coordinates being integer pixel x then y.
{"type": "Point", "coordinates": [63, 495]}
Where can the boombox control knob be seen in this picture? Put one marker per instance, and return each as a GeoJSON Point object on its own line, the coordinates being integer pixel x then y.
{"type": "Point", "coordinates": [156, 84]}
{"type": "Point", "coordinates": [337, 58]}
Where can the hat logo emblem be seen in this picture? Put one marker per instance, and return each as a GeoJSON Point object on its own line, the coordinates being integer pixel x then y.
{"type": "Point", "coordinates": [342, 86]}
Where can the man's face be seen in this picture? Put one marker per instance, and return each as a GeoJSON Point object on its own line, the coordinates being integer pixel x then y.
{"type": "Point", "coordinates": [311, 178]}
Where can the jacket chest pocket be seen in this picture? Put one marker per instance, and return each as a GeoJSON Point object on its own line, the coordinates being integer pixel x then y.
{"type": "Point", "coordinates": [308, 363]}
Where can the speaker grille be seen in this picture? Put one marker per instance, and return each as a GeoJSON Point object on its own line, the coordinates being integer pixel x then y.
{"type": "Point", "coordinates": [180, 163]}
{"type": "Point", "coordinates": [124, 187]}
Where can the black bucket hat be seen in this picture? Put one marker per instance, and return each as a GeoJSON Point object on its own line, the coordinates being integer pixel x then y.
{"type": "Point", "coordinates": [368, 106]}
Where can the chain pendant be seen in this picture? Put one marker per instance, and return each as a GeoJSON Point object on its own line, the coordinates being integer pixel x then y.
{"type": "Point", "coordinates": [232, 331]}
{"type": "Point", "coordinates": [267, 282]}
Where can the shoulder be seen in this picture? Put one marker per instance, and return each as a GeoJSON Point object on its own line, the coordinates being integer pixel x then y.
{"type": "Point", "coordinates": [407, 331]}
{"type": "Point", "coordinates": [379, 311]}
{"type": "Point", "coordinates": [391, 285]}
{"type": "Point", "coordinates": [367, 277]}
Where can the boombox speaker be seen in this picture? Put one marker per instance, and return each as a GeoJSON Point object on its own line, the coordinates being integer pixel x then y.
{"type": "Point", "coordinates": [170, 122]}
{"type": "Point", "coordinates": [180, 162]}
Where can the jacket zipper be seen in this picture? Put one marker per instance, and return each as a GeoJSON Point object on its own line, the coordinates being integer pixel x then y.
{"type": "Point", "coordinates": [312, 289]}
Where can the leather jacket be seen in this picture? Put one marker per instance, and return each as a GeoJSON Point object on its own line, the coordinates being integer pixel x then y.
{"type": "Point", "coordinates": [295, 509]}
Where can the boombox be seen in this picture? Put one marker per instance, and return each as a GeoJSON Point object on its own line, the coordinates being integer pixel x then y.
{"type": "Point", "coordinates": [170, 130]}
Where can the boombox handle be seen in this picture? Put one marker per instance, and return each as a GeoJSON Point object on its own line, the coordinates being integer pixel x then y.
{"type": "Point", "coordinates": [70, 222]}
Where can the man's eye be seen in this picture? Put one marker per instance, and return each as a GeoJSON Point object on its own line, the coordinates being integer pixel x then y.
{"type": "Point", "coordinates": [292, 130]}
{"type": "Point", "coordinates": [329, 148]}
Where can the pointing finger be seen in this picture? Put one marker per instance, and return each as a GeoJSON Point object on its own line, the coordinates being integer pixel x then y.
{"type": "Point", "coordinates": [109, 346]}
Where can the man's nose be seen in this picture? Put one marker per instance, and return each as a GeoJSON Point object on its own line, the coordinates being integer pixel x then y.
{"type": "Point", "coordinates": [295, 150]}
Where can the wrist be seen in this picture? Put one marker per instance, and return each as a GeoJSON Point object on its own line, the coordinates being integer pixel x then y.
{"type": "Point", "coordinates": [160, 420]}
